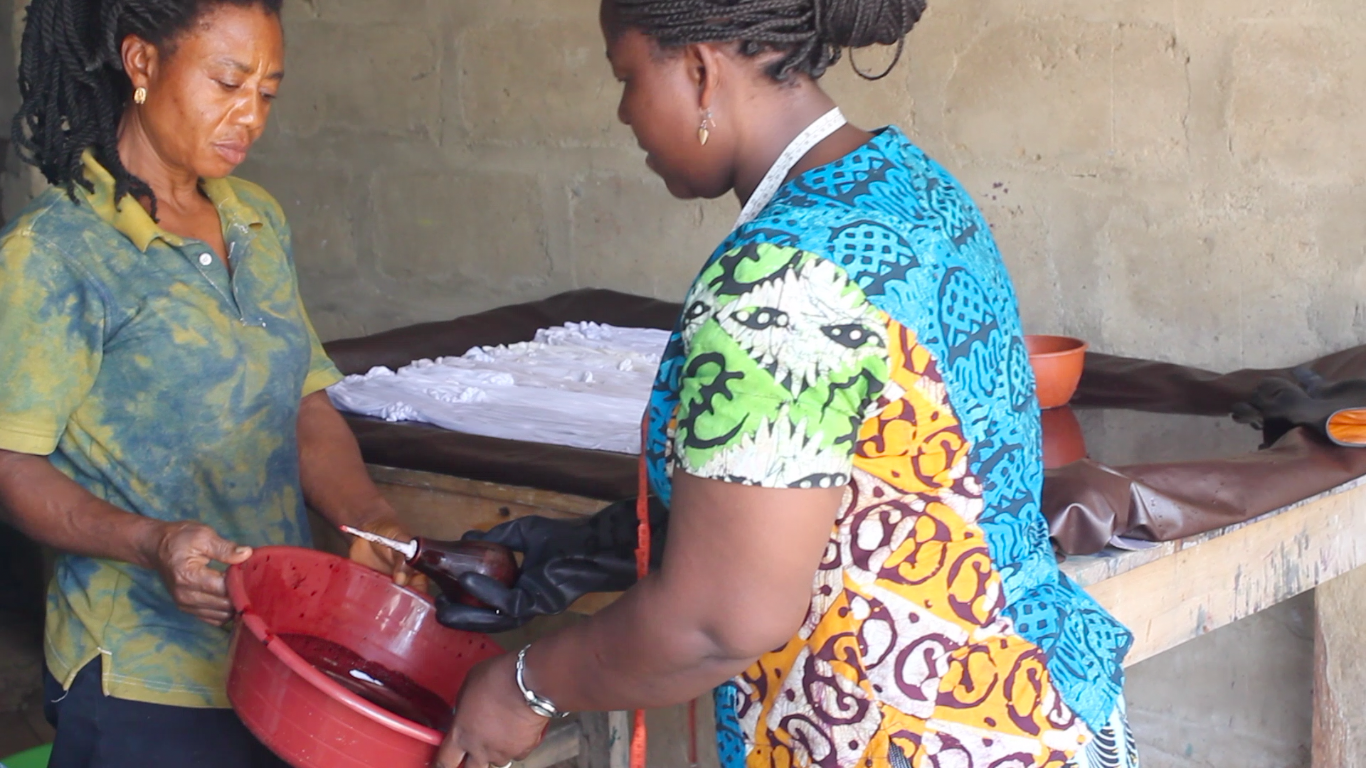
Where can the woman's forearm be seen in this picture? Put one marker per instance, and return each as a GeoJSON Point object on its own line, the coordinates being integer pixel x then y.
{"type": "Point", "coordinates": [335, 481]}
{"type": "Point", "coordinates": [641, 652]}
{"type": "Point", "coordinates": [735, 584]}
{"type": "Point", "coordinates": [52, 509]}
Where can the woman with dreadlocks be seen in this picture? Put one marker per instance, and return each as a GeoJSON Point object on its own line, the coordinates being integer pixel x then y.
{"type": "Point", "coordinates": [845, 433]}
{"type": "Point", "coordinates": [163, 408]}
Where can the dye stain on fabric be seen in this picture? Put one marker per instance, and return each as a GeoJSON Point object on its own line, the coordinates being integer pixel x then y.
{"type": "Point", "coordinates": [373, 682]}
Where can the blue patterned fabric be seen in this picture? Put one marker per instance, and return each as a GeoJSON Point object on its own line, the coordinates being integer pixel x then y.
{"type": "Point", "coordinates": [912, 239]}
{"type": "Point", "coordinates": [730, 739]}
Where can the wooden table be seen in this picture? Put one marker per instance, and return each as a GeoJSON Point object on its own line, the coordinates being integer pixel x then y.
{"type": "Point", "coordinates": [1167, 594]}
{"type": "Point", "coordinates": [1177, 591]}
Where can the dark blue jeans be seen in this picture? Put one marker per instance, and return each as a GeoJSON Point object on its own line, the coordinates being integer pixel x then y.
{"type": "Point", "coordinates": [98, 731]}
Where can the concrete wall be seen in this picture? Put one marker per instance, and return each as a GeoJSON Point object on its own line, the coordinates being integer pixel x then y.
{"type": "Point", "coordinates": [1171, 178]}
{"type": "Point", "coordinates": [1178, 179]}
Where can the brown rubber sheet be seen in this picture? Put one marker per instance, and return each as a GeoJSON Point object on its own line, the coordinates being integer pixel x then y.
{"type": "Point", "coordinates": [1161, 499]}
{"type": "Point", "coordinates": [1164, 461]}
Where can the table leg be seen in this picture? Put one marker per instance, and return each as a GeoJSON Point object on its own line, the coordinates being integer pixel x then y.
{"type": "Point", "coordinates": [606, 740]}
{"type": "Point", "coordinates": [1339, 672]}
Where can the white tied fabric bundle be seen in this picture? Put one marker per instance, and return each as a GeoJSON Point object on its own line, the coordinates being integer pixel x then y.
{"type": "Point", "coordinates": [583, 385]}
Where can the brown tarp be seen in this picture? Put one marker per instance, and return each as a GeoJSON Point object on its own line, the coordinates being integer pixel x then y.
{"type": "Point", "coordinates": [1087, 502]}
{"type": "Point", "coordinates": [1146, 496]}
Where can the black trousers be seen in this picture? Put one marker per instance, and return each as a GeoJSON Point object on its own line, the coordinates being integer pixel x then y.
{"type": "Point", "coordinates": [98, 731]}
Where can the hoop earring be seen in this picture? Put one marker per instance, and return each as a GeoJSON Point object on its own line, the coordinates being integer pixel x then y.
{"type": "Point", "coordinates": [140, 95]}
{"type": "Point", "coordinates": [703, 132]}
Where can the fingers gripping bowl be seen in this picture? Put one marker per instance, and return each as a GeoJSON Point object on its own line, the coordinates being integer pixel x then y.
{"type": "Point", "coordinates": [297, 710]}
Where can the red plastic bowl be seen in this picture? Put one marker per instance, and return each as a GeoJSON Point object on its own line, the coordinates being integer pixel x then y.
{"type": "Point", "coordinates": [302, 715]}
{"type": "Point", "coordinates": [1057, 362]}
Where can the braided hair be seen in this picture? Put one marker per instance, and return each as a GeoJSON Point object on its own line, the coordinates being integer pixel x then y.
{"type": "Point", "coordinates": [73, 86]}
{"type": "Point", "coordinates": [811, 34]}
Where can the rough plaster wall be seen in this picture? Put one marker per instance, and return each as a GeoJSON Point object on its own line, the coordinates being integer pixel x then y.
{"type": "Point", "coordinates": [1169, 178]}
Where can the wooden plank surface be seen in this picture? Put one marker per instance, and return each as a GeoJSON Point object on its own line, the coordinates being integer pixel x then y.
{"type": "Point", "coordinates": [441, 506]}
{"type": "Point", "coordinates": [445, 507]}
{"type": "Point", "coordinates": [1339, 739]}
{"type": "Point", "coordinates": [1182, 590]}
{"type": "Point", "coordinates": [1167, 594]}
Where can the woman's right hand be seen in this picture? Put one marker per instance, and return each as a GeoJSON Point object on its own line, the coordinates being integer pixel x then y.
{"type": "Point", "coordinates": [182, 554]}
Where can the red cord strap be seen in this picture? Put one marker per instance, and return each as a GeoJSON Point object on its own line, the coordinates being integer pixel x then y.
{"type": "Point", "coordinates": [638, 735]}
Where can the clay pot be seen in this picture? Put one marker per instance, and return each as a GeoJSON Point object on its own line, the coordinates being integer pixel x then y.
{"type": "Point", "coordinates": [1063, 440]}
{"type": "Point", "coordinates": [1057, 363]}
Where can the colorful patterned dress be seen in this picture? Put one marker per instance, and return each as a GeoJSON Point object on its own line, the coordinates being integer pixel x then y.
{"type": "Point", "coordinates": [863, 332]}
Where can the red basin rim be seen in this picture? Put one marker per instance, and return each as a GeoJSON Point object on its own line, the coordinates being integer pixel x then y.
{"type": "Point", "coordinates": [280, 649]}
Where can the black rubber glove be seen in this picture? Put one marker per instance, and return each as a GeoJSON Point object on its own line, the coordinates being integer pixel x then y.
{"type": "Point", "coordinates": [563, 560]}
{"type": "Point", "coordinates": [1336, 412]}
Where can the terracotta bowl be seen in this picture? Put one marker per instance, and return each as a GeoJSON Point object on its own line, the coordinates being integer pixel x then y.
{"type": "Point", "coordinates": [1057, 363]}
{"type": "Point", "coordinates": [1063, 440]}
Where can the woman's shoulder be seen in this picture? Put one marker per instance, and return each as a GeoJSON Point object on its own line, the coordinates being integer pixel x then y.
{"type": "Point", "coordinates": [51, 220]}
{"type": "Point", "coordinates": [889, 180]}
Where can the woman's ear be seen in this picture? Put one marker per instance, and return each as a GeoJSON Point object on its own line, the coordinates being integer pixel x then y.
{"type": "Point", "coordinates": [704, 69]}
{"type": "Point", "coordinates": [139, 60]}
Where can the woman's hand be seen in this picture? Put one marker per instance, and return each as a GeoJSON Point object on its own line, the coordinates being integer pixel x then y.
{"type": "Point", "coordinates": [493, 725]}
{"type": "Point", "coordinates": [182, 553]}
{"type": "Point", "coordinates": [384, 559]}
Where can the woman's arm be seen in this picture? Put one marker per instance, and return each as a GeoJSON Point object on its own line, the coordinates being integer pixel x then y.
{"type": "Point", "coordinates": [735, 583]}
{"type": "Point", "coordinates": [334, 478]}
{"type": "Point", "coordinates": [337, 485]}
{"type": "Point", "coordinates": [52, 509]}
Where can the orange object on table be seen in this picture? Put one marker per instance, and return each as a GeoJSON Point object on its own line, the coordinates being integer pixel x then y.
{"type": "Point", "coordinates": [1057, 362]}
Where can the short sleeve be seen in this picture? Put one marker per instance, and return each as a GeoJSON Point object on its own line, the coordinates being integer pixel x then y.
{"type": "Point", "coordinates": [322, 372]}
{"type": "Point", "coordinates": [52, 326]}
{"type": "Point", "coordinates": [784, 359]}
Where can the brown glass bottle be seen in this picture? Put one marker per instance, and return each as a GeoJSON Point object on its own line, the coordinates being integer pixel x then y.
{"type": "Point", "coordinates": [444, 562]}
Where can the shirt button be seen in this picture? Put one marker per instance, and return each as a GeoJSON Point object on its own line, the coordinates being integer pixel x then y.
{"type": "Point", "coordinates": [205, 259]}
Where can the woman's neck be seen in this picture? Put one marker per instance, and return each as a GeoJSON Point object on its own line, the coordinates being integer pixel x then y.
{"type": "Point", "coordinates": [775, 125]}
{"type": "Point", "coordinates": [175, 188]}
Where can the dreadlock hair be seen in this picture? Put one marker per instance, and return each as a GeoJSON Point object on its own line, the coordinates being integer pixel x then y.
{"type": "Point", "coordinates": [811, 34]}
{"type": "Point", "coordinates": [73, 86]}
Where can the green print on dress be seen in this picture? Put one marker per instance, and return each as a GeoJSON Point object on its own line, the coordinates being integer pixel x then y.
{"type": "Point", "coordinates": [785, 356]}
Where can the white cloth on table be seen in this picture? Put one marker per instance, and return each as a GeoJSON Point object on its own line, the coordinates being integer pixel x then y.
{"type": "Point", "coordinates": [583, 385]}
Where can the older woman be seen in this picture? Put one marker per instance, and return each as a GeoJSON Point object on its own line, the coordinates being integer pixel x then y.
{"type": "Point", "coordinates": [162, 411]}
{"type": "Point", "coordinates": [845, 431]}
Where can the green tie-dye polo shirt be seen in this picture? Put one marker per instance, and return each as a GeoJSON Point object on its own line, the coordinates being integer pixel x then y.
{"type": "Point", "coordinates": [167, 385]}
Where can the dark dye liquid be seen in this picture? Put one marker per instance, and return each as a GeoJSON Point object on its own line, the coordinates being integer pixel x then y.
{"type": "Point", "coordinates": [373, 682]}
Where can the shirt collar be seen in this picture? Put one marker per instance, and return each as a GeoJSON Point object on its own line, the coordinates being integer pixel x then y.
{"type": "Point", "coordinates": [133, 221]}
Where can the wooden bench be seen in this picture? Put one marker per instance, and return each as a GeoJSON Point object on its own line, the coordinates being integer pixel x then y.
{"type": "Point", "coordinates": [1167, 594]}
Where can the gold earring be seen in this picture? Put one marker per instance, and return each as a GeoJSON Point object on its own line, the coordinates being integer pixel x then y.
{"type": "Point", "coordinates": [702, 132]}
{"type": "Point", "coordinates": [140, 95]}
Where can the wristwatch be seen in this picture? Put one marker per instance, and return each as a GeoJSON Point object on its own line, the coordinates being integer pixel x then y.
{"type": "Point", "coordinates": [538, 704]}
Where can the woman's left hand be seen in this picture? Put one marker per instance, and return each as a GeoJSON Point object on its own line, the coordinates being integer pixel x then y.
{"type": "Point", "coordinates": [493, 725]}
{"type": "Point", "coordinates": [384, 559]}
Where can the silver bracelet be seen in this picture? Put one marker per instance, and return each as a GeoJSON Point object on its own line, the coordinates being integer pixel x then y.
{"type": "Point", "coordinates": [538, 704]}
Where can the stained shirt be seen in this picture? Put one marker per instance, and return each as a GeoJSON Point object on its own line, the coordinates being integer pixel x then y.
{"type": "Point", "coordinates": [166, 384]}
{"type": "Point", "coordinates": [863, 333]}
